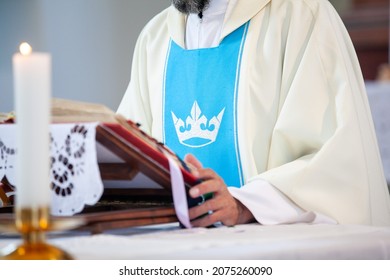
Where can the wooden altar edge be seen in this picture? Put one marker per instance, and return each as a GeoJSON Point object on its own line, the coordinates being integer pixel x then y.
{"type": "Point", "coordinates": [98, 222]}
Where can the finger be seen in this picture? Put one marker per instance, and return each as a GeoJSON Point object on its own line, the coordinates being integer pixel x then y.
{"type": "Point", "coordinates": [192, 160]}
{"type": "Point", "coordinates": [204, 208]}
{"type": "Point", "coordinates": [208, 220]}
{"type": "Point", "coordinates": [205, 187]}
{"type": "Point", "coordinates": [206, 174]}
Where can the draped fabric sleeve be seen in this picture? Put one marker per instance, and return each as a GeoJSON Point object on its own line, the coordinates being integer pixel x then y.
{"type": "Point", "coordinates": [142, 101]}
{"type": "Point", "coordinates": [135, 104]}
{"type": "Point", "coordinates": [323, 151]}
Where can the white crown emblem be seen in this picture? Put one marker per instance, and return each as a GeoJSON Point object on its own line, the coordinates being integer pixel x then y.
{"type": "Point", "coordinates": [197, 131]}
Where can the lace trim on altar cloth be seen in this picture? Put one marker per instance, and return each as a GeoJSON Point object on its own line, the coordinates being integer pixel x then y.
{"type": "Point", "coordinates": [74, 171]}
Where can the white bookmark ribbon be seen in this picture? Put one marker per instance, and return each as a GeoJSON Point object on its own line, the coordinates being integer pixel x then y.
{"type": "Point", "coordinates": [179, 192]}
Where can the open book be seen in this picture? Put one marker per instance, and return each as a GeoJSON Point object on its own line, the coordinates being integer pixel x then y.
{"type": "Point", "coordinates": [125, 140]}
{"type": "Point", "coordinates": [133, 165]}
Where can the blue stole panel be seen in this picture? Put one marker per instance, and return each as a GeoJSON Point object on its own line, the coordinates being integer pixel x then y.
{"type": "Point", "coordinates": [200, 104]}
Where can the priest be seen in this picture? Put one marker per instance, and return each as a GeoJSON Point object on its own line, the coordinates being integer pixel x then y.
{"type": "Point", "coordinates": [266, 99]}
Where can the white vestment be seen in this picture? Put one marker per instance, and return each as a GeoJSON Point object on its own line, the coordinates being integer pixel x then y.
{"type": "Point", "coordinates": [304, 123]}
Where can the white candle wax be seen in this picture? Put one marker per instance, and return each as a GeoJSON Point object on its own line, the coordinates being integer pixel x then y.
{"type": "Point", "coordinates": [32, 86]}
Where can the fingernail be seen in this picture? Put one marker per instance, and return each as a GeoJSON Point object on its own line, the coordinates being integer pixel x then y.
{"type": "Point", "coordinates": [194, 192]}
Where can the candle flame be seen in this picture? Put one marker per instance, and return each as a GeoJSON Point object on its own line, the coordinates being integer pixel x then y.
{"type": "Point", "coordinates": [25, 48]}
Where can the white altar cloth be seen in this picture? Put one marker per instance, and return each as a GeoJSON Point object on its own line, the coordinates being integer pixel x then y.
{"type": "Point", "coordinates": [74, 172]}
{"type": "Point", "coordinates": [253, 241]}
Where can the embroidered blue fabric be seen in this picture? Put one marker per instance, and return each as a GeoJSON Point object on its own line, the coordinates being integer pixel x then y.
{"type": "Point", "coordinates": [200, 104]}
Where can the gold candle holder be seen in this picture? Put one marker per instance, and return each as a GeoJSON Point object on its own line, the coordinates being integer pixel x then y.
{"type": "Point", "coordinates": [33, 224]}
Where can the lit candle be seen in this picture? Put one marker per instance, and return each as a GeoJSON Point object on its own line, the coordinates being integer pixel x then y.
{"type": "Point", "coordinates": [32, 85]}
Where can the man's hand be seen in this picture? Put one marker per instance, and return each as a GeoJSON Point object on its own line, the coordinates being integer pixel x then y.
{"type": "Point", "coordinates": [225, 208]}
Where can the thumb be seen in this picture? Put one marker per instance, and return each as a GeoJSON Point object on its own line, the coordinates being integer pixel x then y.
{"type": "Point", "coordinates": [193, 161]}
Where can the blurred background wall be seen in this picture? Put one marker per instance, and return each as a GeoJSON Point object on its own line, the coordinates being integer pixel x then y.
{"type": "Point", "coordinates": [92, 41]}
{"type": "Point", "coordinates": [368, 24]}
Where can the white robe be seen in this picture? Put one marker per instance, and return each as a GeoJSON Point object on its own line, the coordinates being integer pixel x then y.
{"type": "Point", "coordinates": [304, 122]}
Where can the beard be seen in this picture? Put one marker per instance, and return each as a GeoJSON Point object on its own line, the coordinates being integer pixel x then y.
{"type": "Point", "coordinates": [191, 6]}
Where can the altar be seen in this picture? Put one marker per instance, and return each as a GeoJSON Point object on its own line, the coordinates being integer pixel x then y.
{"type": "Point", "coordinates": [250, 242]}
